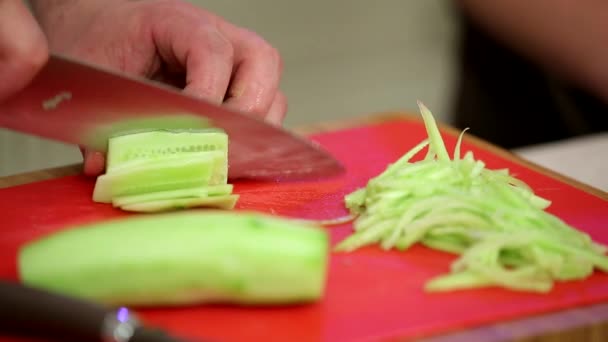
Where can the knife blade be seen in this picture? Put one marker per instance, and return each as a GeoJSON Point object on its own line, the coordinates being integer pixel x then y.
{"type": "Point", "coordinates": [30, 312]}
{"type": "Point", "coordinates": [83, 104]}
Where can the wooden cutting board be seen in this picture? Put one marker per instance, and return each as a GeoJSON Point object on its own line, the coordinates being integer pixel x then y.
{"type": "Point", "coordinates": [371, 294]}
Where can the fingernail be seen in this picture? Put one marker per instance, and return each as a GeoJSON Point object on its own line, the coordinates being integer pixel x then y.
{"type": "Point", "coordinates": [237, 90]}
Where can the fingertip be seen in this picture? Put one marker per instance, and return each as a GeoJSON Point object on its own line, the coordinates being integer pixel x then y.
{"type": "Point", "coordinates": [94, 163]}
{"type": "Point", "coordinates": [278, 110]}
{"type": "Point", "coordinates": [253, 98]}
{"type": "Point", "coordinates": [257, 76]}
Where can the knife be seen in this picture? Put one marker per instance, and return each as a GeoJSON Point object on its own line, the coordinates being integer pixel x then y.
{"type": "Point", "coordinates": [30, 312]}
{"type": "Point", "coordinates": [78, 103]}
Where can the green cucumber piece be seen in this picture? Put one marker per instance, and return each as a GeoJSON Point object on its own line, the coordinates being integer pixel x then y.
{"type": "Point", "coordinates": [97, 137]}
{"type": "Point", "coordinates": [226, 202]}
{"type": "Point", "coordinates": [162, 170]}
{"type": "Point", "coordinates": [157, 175]}
{"type": "Point", "coordinates": [125, 149]}
{"type": "Point", "coordinates": [197, 192]}
{"type": "Point", "coordinates": [182, 258]}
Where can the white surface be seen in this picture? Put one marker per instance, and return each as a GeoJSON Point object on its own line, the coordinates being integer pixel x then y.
{"type": "Point", "coordinates": [584, 159]}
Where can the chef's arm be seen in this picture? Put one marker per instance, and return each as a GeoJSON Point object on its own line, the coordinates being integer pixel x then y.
{"type": "Point", "coordinates": [568, 37]}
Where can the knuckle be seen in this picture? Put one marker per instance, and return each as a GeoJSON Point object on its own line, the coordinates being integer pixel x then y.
{"type": "Point", "coordinates": [272, 54]}
{"type": "Point", "coordinates": [258, 43]}
{"type": "Point", "coordinates": [219, 44]}
{"type": "Point", "coordinates": [32, 56]}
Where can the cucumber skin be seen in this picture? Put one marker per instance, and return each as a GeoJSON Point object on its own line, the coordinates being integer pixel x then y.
{"type": "Point", "coordinates": [184, 258]}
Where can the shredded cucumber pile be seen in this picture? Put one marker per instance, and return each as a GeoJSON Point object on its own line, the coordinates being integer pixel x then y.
{"type": "Point", "coordinates": [495, 222]}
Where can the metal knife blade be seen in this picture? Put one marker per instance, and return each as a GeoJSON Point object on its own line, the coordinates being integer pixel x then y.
{"type": "Point", "coordinates": [78, 103]}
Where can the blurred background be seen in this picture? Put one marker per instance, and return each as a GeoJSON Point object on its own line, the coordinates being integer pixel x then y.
{"type": "Point", "coordinates": [342, 58]}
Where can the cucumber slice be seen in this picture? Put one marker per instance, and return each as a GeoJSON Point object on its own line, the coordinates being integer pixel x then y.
{"type": "Point", "coordinates": [157, 175]}
{"type": "Point", "coordinates": [164, 170]}
{"type": "Point", "coordinates": [124, 149]}
{"type": "Point", "coordinates": [219, 202]}
{"type": "Point", "coordinates": [203, 191]}
{"type": "Point", "coordinates": [96, 137]}
{"type": "Point", "coordinates": [182, 259]}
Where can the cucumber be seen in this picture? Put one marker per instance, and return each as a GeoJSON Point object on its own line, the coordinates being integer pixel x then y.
{"type": "Point", "coordinates": [195, 192]}
{"type": "Point", "coordinates": [156, 175]}
{"type": "Point", "coordinates": [164, 170]}
{"type": "Point", "coordinates": [218, 202]}
{"type": "Point", "coordinates": [127, 148]}
{"type": "Point", "coordinates": [95, 138]}
{"type": "Point", "coordinates": [182, 258]}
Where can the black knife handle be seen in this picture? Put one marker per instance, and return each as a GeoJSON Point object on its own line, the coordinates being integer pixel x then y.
{"type": "Point", "coordinates": [30, 312]}
{"type": "Point", "coordinates": [26, 311]}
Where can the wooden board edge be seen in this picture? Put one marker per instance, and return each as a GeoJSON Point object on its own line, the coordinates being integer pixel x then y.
{"type": "Point", "coordinates": [588, 323]}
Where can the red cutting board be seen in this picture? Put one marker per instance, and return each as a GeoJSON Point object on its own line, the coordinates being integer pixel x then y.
{"type": "Point", "coordinates": [371, 294]}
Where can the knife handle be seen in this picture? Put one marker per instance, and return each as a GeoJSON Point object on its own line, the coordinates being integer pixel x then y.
{"type": "Point", "coordinates": [25, 311]}
{"type": "Point", "coordinates": [30, 312]}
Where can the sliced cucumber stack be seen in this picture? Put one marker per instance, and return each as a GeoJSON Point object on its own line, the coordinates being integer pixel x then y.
{"type": "Point", "coordinates": [162, 170]}
{"type": "Point", "coordinates": [182, 258]}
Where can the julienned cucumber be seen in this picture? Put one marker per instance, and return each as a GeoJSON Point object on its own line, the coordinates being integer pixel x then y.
{"type": "Point", "coordinates": [492, 220]}
{"type": "Point", "coordinates": [182, 258]}
{"type": "Point", "coordinates": [165, 170]}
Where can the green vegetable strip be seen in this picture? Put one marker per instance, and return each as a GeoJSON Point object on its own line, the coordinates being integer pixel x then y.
{"type": "Point", "coordinates": [155, 176]}
{"type": "Point", "coordinates": [456, 281]}
{"type": "Point", "coordinates": [219, 202]}
{"type": "Point", "coordinates": [492, 220]}
{"type": "Point", "coordinates": [458, 144]}
{"type": "Point", "coordinates": [405, 159]}
{"type": "Point", "coordinates": [195, 192]}
{"type": "Point", "coordinates": [435, 139]}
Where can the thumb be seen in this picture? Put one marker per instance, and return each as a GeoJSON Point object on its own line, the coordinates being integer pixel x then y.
{"type": "Point", "coordinates": [94, 162]}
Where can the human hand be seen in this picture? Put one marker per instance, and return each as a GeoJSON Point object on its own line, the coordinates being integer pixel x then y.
{"type": "Point", "coordinates": [174, 42]}
{"type": "Point", "coordinates": [23, 47]}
